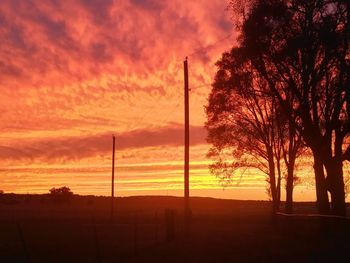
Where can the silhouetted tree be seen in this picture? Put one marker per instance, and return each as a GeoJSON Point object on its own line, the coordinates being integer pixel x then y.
{"type": "Point", "coordinates": [245, 124]}
{"type": "Point", "coordinates": [61, 194]}
{"type": "Point", "coordinates": [292, 148]}
{"type": "Point", "coordinates": [301, 49]}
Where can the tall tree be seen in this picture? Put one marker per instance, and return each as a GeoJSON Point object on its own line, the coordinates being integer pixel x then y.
{"type": "Point", "coordinates": [245, 119]}
{"type": "Point", "coordinates": [301, 48]}
{"type": "Point", "coordinates": [292, 148]}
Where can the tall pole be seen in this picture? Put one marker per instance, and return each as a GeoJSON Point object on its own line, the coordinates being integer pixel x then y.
{"type": "Point", "coordinates": [187, 152]}
{"type": "Point", "coordinates": [112, 195]}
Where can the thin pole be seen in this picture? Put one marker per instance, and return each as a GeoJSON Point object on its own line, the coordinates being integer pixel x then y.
{"type": "Point", "coordinates": [23, 241]}
{"type": "Point", "coordinates": [112, 195]}
{"type": "Point", "coordinates": [187, 151]}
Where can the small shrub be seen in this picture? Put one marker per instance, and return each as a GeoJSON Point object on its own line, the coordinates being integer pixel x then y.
{"type": "Point", "coordinates": [61, 194]}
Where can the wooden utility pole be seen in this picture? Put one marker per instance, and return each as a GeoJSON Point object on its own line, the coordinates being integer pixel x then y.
{"type": "Point", "coordinates": [112, 195]}
{"type": "Point", "coordinates": [187, 152]}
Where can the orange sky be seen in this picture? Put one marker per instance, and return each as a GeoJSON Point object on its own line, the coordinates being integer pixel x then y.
{"type": "Point", "coordinates": [72, 73]}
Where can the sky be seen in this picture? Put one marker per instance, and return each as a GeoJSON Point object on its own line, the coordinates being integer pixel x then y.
{"type": "Point", "coordinates": [73, 73]}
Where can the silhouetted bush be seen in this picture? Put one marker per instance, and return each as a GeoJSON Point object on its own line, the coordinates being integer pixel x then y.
{"type": "Point", "coordinates": [61, 194]}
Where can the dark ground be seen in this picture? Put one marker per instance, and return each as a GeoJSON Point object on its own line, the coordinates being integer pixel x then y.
{"type": "Point", "coordinates": [33, 229]}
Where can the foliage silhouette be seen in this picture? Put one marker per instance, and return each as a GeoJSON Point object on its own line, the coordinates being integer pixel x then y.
{"type": "Point", "coordinates": [61, 195]}
{"type": "Point", "coordinates": [245, 124]}
{"type": "Point", "coordinates": [301, 50]}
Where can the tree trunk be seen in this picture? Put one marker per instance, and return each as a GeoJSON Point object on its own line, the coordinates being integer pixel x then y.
{"type": "Point", "coordinates": [321, 188]}
{"type": "Point", "coordinates": [293, 146]}
{"type": "Point", "coordinates": [272, 181]}
{"type": "Point", "coordinates": [279, 178]}
{"type": "Point", "coordinates": [335, 183]}
{"type": "Point", "coordinates": [289, 187]}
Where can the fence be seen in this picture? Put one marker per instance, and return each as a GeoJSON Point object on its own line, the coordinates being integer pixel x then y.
{"type": "Point", "coordinates": [96, 239]}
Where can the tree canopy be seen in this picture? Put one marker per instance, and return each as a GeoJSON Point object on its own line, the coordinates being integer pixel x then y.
{"type": "Point", "coordinates": [294, 54]}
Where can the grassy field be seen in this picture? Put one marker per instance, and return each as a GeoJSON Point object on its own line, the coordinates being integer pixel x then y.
{"type": "Point", "coordinates": [33, 229]}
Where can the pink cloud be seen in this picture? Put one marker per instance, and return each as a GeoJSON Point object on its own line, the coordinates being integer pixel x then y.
{"type": "Point", "coordinates": [74, 39]}
{"type": "Point", "coordinates": [71, 71]}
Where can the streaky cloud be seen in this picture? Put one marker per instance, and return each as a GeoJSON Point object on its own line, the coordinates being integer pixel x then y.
{"type": "Point", "coordinates": [77, 147]}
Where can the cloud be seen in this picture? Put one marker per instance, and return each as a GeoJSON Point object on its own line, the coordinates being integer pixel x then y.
{"type": "Point", "coordinates": [137, 33]}
{"type": "Point", "coordinates": [10, 70]}
{"type": "Point", "coordinates": [72, 71]}
{"type": "Point", "coordinates": [152, 5]}
{"type": "Point", "coordinates": [75, 148]}
{"type": "Point", "coordinates": [98, 9]}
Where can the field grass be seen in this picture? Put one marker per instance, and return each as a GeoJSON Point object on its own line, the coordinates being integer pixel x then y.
{"type": "Point", "coordinates": [33, 229]}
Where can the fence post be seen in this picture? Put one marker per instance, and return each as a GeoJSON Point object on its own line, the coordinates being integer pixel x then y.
{"type": "Point", "coordinates": [169, 225]}
{"type": "Point", "coordinates": [23, 242]}
{"type": "Point", "coordinates": [135, 234]}
{"type": "Point", "coordinates": [97, 243]}
{"type": "Point", "coordinates": [156, 228]}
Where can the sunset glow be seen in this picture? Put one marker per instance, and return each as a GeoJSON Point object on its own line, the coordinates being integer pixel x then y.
{"type": "Point", "coordinates": [72, 73]}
